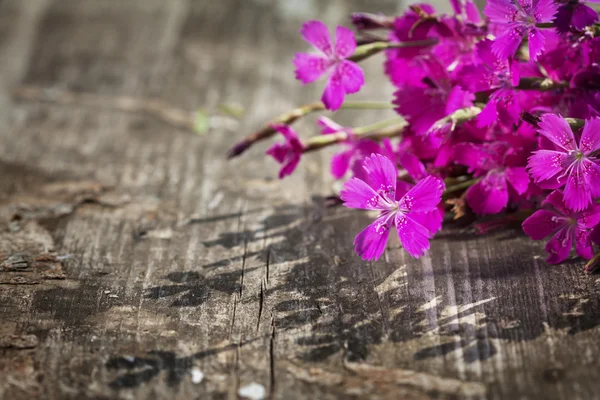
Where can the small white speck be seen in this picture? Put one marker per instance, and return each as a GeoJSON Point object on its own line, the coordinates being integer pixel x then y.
{"type": "Point", "coordinates": [129, 358]}
{"type": "Point", "coordinates": [197, 375]}
{"type": "Point", "coordinates": [214, 203]}
{"type": "Point", "coordinates": [107, 292]}
{"type": "Point", "coordinates": [113, 296]}
{"type": "Point", "coordinates": [253, 391]}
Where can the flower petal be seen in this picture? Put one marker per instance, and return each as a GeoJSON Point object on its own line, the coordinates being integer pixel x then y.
{"type": "Point", "coordinates": [432, 220]}
{"type": "Point", "coordinates": [543, 223]}
{"type": "Point", "coordinates": [488, 115]}
{"type": "Point", "coordinates": [593, 177]}
{"type": "Point", "coordinates": [559, 247]}
{"type": "Point", "coordinates": [347, 77]}
{"type": "Point", "coordinates": [536, 43]}
{"type": "Point", "coordinates": [471, 155]}
{"type": "Point", "coordinates": [370, 243]}
{"type": "Point", "coordinates": [412, 165]}
{"type": "Point", "coordinates": [518, 178]}
{"type": "Point", "coordinates": [357, 194]}
{"type": "Point", "coordinates": [310, 67]}
{"type": "Point", "coordinates": [352, 76]}
{"type": "Point", "coordinates": [546, 164]}
{"type": "Point", "coordinates": [577, 194]}
{"type": "Point", "coordinates": [317, 34]}
{"type": "Point", "coordinates": [544, 10]}
{"type": "Point", "coordinates": [505, 46]}
{"type": "Point", "coordinates": [289, 166]}
{"type": "Point", "coordinates": [345, 44]}
{"type": "Point", "coordinates": [472, 12]}
{"type": "Point", "coordinates": [556, 129]}
{"type": "Point", "coordinates": [458, 98]}
{"type": "Point", "coordinates": [328, 126]}
{"type": "Point", "coordinates": [556, 200]}
{"type": "Point", "coordinates": [424, 197]}
{"type": "Point", "coordinates": [278, 151]}
{"type": "Point", "coordinates": [488, 196]}
{"type": "Point", "coordinates": [333, 95]}
{"type": "Point", "coordinates": [340, 163]}
{"type": "Point", "coordinates": [497, 10]}
{"type": "Point", "coordinates": [590, 217]}
{"type": "Point", "coordinates": [413, 236]}
{"type": "Point", "coordinates": [288, 133]}
{"type": "Point", "coordinates": [382, 175]}
{"type": "Point", "coordinates": [583, 243]}
{"type": "Point", "coordinates": [583, 16]}
{"type": "Point", "coordinates": [590, 136]}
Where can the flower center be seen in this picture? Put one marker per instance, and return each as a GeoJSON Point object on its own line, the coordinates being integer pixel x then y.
{"type": "Point", "coordinates": [577, 155]}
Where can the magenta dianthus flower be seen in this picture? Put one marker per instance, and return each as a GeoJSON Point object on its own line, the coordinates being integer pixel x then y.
{"type": "Point", "coordinates": [345, 77]}
{"type": "Point", "coordinates": [565, 226]}
{"type": "Point", "coordinates": [500, 180]}
{"type": "Point", "coordinates": [355, 149]}
{"type": "Point", "coordinates": [516, 20]}
{"type": "Point", "coordinates": [493, 73]}
{"type": "Point", "coordinates": [574, 15]}
{"type": "Point", "coordinates": [406, 214]}
{"type": "Point", "coordinates": [566, 161]}
{"type": "Point", "coordinates": [288, 153]}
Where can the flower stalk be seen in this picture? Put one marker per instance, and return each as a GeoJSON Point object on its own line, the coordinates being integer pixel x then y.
{"type": "Point", "coordinates": [593, 265]}
{"type": "Point", "coordinates": [377, 131]}
{"type": "Point", "coordinates": [292, 116]}
{"type": "Point", "coordinates": [368, 50]}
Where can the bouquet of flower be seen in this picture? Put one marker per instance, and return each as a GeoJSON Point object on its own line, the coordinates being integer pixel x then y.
{"type": "Point", "coordinates": [498, 114]}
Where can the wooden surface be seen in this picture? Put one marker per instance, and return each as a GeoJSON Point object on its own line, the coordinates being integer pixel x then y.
{"type": "Point", "coordinates": [134, 256]}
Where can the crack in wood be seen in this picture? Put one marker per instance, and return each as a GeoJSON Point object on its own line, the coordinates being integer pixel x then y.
{"type": "Point", "coordinates": [243, 267]}
{"type": "Point", "coordinates": [267, 264]}
{"type": "Point", "coordinates": [235, 301]}
{"type": "Point", "coordinates": [272, 358]}
{"type": "Point", "coordinates": [261, 300]}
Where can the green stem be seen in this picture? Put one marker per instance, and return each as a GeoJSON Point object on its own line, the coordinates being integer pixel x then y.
{"type": "Point", "coordinates": [367, 50]}
{"type": "Point", "coordinates": [367, 105]}
{"type": "Point", "coordinates": [593, 264]}
{"type": "Point", "coordinates": [575, 123]}
{"type": "Point", "coordinates": [458, 187]}
{"type": "Point", "coordinates": [458, 117]}
{"type": "Point", "coordinates": [534, 120]}
{"type": "Point", "coordinates": [292, 116]}
{"type": "Point", "coordinates": [540, 84]}
{"type": "Point", "coordinates": [388, 128]}
{"type": "Point", "coordinates": [361, 130]}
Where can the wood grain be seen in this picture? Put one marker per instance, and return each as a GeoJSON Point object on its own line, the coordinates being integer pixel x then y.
{"type": "Point", "coordinates": [132, 253]}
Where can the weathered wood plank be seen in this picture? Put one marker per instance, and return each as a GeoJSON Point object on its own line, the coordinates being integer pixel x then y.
{"type": "Point", "coordinates": [133, 254]}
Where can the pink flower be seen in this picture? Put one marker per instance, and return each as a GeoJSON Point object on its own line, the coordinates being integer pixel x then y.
{"type": "Point", "coordinates": [288, 153]}
{"type": "Point", "coordinates": [565, 226]}
{"type": "Point", "coordinates": [432, 220]}
{"type": "Point", "coordinates": [406, 214]}
{"type": "Point", "coordinates": [355, 149]}
{"type": "Point", "coordinates": [516, 20]}
{"type": "Point", "coordinates": [423, 104]}
{"type": "Point", "coordinates": [574, 15]}
{"type": "Point", "coordinates": [491, 194]}
{"type": "Point", "coordinates": [493, 73]}
{"type": "Point", "coordinates": [345, 77]}
{"type": "Point", "coordinates": [566, 160]}
{"type": "Point", "coordinates": [501, 179]}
